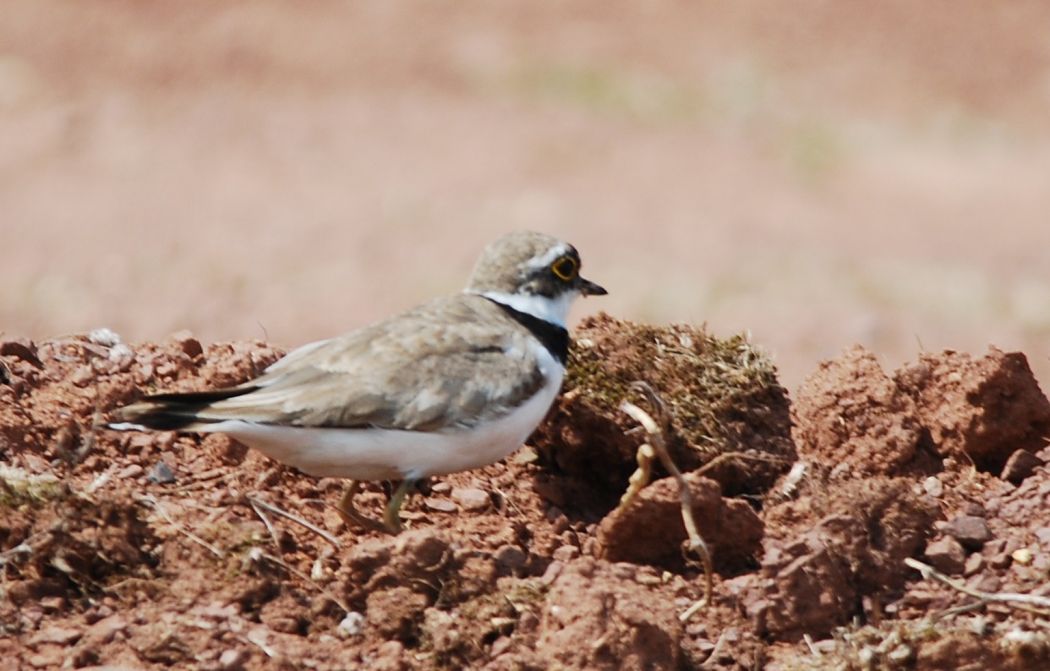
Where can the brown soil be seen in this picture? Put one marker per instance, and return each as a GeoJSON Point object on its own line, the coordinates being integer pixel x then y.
{"type": "Point", "coordinates": [145, 550]}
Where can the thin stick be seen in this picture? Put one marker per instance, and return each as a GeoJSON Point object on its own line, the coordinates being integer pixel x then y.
{"type": "Point", "coordinates": [1040, 605]}
{"type": "Point", "coordinates": [716, 651]}
{"type": "Point", "coordinates": [295, 518]}
{"type": "Point", "coordinates": [656, 439]}
{"type": "Point", "coordinates": [149, 498]}
{"type": "Point", "coordinates": [265, 520]}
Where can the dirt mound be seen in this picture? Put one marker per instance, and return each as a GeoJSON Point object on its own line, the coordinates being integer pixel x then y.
{"type": "Point", "coordinates": [152, 550]}
{"type": "Point", "coordinates": [853, 419]}
{"type": "Point", "coordinates": [815, 577]}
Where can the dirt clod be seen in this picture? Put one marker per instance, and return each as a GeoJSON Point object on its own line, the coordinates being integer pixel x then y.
{"type": "Point", "coordinates": [946, 555]}
{"type": "Point", "coordinates": [970, 530]}
{"type": "Point", "coordinates": [981, 408]}
{"type": "Point", "coordinates": [650, 529]}
{"type": "Point", "coordinates": [851, 417]}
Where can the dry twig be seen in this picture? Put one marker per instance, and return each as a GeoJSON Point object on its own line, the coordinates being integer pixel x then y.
{"type": "Point", "coordinates": [1040, 605]}
{"type": "Point", "coordinates": [657, 445]}
{"type": "Point", "coordinates": [269, 507]}
{"type": "Point", "coordinates": [152, 501]}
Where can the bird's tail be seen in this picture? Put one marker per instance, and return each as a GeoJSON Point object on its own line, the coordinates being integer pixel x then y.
{"type": "Point", "coordinates": [173, 411]}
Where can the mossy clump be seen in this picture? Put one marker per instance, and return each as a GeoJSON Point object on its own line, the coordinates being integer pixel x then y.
{"type": "Point", "coordinates": [19, 487]}
{"type": "Point", "coordinates": [722, 394]}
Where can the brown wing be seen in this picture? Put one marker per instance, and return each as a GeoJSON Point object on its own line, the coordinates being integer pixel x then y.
{"type": "Point", "coordinates": [451, 362]}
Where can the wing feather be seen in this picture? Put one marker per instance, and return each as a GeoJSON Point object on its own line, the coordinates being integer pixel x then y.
{"type": "Point", "coordinates": [451, 362]}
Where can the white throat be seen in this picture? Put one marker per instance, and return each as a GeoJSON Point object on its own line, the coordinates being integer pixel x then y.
{"type": "Point", "coordinates": [553, 310]}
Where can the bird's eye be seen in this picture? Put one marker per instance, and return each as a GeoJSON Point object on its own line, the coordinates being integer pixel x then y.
{"type": "Point", "coordinates": [565, 268]}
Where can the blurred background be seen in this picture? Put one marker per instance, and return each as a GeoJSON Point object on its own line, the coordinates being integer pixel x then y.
{"type": "Point", "coordinates": [816, 172]}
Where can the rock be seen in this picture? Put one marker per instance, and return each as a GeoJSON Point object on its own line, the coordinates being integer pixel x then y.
{"type": "Point", "coordinates": [971, 531]}
{"type": "Point", "coordinates": [105, 337]}
{"type": "Point", "coordinates": [1043, 535]}
{"type": "Point", "coordinates": [471, 498]}
{"type": "Point", "coordinates": [1019, 466]}
{"type": "Point", "coordinates": [130, 472]}
{"type": "Point", "coordinates": [105, 630]}
{"type": "Point", "coordinates": [565, 553]}
{"type": "Point", "coordinates": [22, 349]}
{"type": "Point", "coordinates": [983, 408]}
{"type": "Point", "coordinates": [161, 474]}
{"type": "Point", "coordinates": [974, 563]}
{"type": "Point", "coordinates": [510, 558]}
{"type": "Point", "coordinates": [56, 634]}
{"type": "Point", "coordinates": [189, 345]}
{"type": "Point", "coordinates": [947, 555]}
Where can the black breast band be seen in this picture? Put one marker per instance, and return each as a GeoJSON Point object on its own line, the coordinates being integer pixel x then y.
{"type": "Point", "coordinates": [555, 338]}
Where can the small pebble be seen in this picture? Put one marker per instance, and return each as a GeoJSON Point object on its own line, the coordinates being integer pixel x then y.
{"type": "Point", "coordinates": [974, 564]}
{"type": "Point", "coordinates": [189, 345]}
{"type": "Point", "coordinates": [352, 625]}
{"type": "Point", "coordinates": [971, 531]}
{"type": "Point", "coordinates": [510, 557]}
{"type": "Point", "coordinates": [1019, 466]}
{"type": "Point", "coordinates": [233, 659]}
{"type": "Point", "coordinates": [933, 486]}
{"type": "Point", "coordinates": [440, 505]}
{"type": "Point", "coordinates": [500, 646]}
{"type": "Point", "coordinates": [82, 376]}
{"type": "Point", "coordinates": [105, 337]}
{"type": "Point", "coordinates": [471, 498]}
{"type": "Point", "coordinates": [130, 472]}
{"type": "Point", "coordinates": [161, 474]}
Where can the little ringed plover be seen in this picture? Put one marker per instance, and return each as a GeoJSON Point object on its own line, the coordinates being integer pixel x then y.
{"type": "Point", "coordinates": [454, 384]}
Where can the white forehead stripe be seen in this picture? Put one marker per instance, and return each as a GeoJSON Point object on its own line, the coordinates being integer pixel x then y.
{"type": "Point", "coordinates": [548, 258]}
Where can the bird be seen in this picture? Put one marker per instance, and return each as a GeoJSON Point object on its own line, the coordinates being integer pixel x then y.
{"type": "Point", "coordinates": [456, 383]}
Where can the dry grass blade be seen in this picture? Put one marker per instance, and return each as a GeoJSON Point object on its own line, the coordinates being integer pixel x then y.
{"type": "Point", "coordinates": [155, 504]}
{"type": "Point", "coordinates": [269, 507]}
{"type": "Point", "coordinates": [657, 444]}
{"type": "Point", "coordinates": [1040, 605]}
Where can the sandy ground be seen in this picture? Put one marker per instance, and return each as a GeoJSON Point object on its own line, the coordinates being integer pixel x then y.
{"type": "Point", "coordinates": [818, 174]}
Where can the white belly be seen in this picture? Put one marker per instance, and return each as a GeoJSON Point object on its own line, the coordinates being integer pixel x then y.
{"type": "Point", "coordinates": [384, 454]}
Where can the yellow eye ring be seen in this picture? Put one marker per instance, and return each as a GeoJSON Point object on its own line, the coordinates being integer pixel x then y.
{"type": "Point", "coordinates": [565, 268]}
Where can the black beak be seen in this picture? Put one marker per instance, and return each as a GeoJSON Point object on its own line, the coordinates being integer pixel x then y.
{"type": "Point", "coordinates": [588, 288]}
